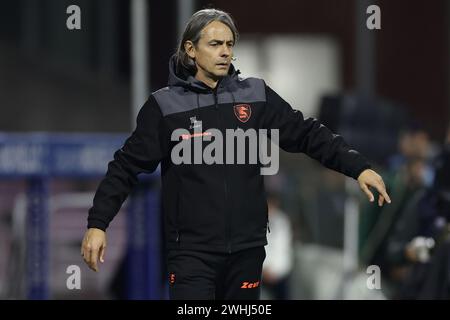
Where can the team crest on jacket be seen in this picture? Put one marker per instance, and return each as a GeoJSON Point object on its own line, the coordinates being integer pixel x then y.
{"type": "Point", "coordinates": [242, 112]}
{"type": "Point", "coordinates": [172, 278]}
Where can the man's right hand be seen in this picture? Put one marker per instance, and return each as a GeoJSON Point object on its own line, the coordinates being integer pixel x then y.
{"type": "Point", "coordinates": [93, 247]}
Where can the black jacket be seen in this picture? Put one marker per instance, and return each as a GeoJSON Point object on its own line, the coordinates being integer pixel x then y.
{"type": "Point", "coordinates": [213, 207]}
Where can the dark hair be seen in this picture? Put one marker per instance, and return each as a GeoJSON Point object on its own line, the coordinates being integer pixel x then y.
{"type": "Point", "coordinates": [193, 29]}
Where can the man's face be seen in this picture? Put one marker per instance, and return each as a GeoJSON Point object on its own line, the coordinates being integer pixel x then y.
{"type": "Point", "coordinates": [214, 50]}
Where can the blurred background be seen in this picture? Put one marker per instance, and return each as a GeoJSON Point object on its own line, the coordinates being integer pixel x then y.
{"type": "Point", "coordinates": [69, 98]}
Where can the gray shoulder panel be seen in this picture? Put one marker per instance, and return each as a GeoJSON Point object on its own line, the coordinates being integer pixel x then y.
{"type": "Point", "coordinates": [245, 90]}
{"type": "Point", "coordinates": [177, 99]}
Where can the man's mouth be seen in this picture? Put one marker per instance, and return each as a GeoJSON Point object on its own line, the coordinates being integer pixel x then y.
{"type": "Point", "coordinates": [223, 64]}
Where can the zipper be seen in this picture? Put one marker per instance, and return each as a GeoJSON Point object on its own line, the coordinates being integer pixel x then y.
{"type": "Point", "coordinates": [177, 220]}
{"type": "Point", "coordinates": [219, 120]}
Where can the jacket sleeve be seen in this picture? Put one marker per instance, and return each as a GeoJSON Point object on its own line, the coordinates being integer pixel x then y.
{"type": "Point", "coordinates": [309, 136]}
{"type": "Point", "coordinates": [141, 152]}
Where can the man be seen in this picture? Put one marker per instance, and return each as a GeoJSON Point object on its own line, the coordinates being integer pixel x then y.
{"type": "Point", "coordinates": [215, 213]}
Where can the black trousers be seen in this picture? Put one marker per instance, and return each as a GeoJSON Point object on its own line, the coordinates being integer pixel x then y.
{"type": "Point", "coordinates": [215, 276]}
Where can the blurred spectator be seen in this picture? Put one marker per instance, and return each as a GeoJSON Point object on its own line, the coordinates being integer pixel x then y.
{"type": "Point", "coordinates": [413, 143]}
{"type": "Point", "coordinates": [409, 174]}
{"type": "Point", "coordinates": [421, 241]}
{"type": "Point", "coordinates": [277, 266]}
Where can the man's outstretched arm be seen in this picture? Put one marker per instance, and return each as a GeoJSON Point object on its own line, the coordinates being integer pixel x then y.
{"type": "Point", "coordinates": [309, 136]}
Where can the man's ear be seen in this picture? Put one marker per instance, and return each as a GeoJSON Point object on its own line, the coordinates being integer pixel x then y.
{"type": "Point", "coordinates": [190, 49]}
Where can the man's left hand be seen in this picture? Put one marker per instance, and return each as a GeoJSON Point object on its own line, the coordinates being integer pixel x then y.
{"type": "Point", "coordinates": [369, 178]}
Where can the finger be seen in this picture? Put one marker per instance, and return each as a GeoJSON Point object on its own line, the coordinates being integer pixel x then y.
{"type": "Point", "coordinates": [83, 244]}
{"type": "Point", "coordinates": [94, 258]}
{"type": "Point", "coordinates": [382, 190]}
{"type": "Point", "coordinates": [386, 196]}
{"type": "Point", "coordinates": [367, 192]}
{"type": "Point", "coordinates": [382, 183]}
{"type": "Point", "coordinates": [86, 258]}
{"type": "Point", "coordinates": [87, 255]}
{"type": "Point", "coordinates": [102, 253]}
{"type": "Point", "coordinates": [380, 200]}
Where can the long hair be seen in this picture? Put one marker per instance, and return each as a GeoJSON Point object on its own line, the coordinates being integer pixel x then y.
{"type": "Point", "coordinates": [193, 29]}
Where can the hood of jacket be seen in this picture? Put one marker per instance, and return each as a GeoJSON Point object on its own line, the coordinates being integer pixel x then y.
{"type": "Point", "coordinates": [181, 77]}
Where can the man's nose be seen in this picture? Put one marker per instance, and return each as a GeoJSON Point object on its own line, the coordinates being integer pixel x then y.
{"type": "Point", "coordinates": [226, 51]}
